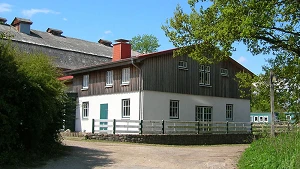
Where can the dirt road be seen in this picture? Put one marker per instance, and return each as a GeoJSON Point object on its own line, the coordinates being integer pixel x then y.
{"type": "Point", "coordinates": [90, 154]}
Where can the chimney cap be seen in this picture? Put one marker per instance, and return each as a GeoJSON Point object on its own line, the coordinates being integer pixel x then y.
{"type": "Point", "coordinates": [3, 20]}
{"type": "Point", "coordinates": [105, 42]}
{"type": "Point", "coordinates": [19, 20]}
{"type": "Point", "coordinates": [54, 31]}
{"type": "Point", "coordinates": [122, 40]}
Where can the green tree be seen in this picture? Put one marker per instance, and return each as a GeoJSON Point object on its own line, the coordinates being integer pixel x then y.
{"type": "Point", "coordinates": [32, 104]}
{"type": "Point", "coordinates": [287, 87]}
{"type": "Point", "coordinates": [145, 43]}
{"type": "Point", "coordinates": [207, 35]}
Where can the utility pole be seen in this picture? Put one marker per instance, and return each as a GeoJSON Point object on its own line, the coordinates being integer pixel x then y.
{"type": "Point", "coordinates": [272, 79]}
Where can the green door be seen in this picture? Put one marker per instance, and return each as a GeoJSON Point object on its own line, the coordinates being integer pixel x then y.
{"type": "Point", "coordinates": [103, 115]}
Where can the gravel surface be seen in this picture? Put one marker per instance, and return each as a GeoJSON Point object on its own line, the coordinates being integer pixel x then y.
{"type": "Point", "coordinates": [92, 154]}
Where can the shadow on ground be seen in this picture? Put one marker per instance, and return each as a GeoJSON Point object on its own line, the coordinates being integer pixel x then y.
{"type": "Point", "coordinates": [78, 158]}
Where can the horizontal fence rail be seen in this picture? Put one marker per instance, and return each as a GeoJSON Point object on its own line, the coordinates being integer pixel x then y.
{"type": "Point", "coordinates": [171, 127]}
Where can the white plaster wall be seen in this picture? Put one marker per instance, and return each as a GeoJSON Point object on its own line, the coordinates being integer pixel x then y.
{"type": "Point", "coordinates": [157, 106]}
{"type": "Point", "coordinates": [114, 102]}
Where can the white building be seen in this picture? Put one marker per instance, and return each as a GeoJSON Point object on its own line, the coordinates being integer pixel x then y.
{"type": "Point", "coordinates": [157, 86]}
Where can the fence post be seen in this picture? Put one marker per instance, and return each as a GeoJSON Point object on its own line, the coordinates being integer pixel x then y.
{"type": "Point", "coordinates": [251, 129]}
{"type": "Point", "coordinates": [227, 128]}
{"type": "Point", "coordinates": [93, 126]}
{"type": "Point", "coordinates": [141, 127]}
{"type": "Point", "coordinates": [163, 127]}
{"type": "Point", "coordinates": [198, 128]}
{"type": "Point", "coordinates": [114, 126]}
{"type": "Point", "coordinates": [288, 126]}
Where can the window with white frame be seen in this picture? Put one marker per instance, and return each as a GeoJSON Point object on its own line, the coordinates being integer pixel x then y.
{"type": "Point", "coordinates": [266, 119]}
{"type": "Point", "coordinates": [229, 112]}
{"type": "Point", "coordinates": [85, 109]}
{"type": "Point", "coordinates": [125, 75]}
{"type": "Point", "coordinates": [182, 65]}
{"type": "Point", "coordinates": [85, 82]}
{"type": "Point", "coordinates": [224, 72]}
{"type": "Point", "coordinates": [255, 118]}
{"type": "Point", "coordinates": [125, 108]}
{"type": "Point", "coordinates": [174, 109]}
{"type": "Point", "coordinates": [203, 113]}
{"type": "Point", "coordinates": [109, 78]}
{"type": "Point", "coordinates": [261, 119]}
{"type": "Point", "coordinates": [204, 75]}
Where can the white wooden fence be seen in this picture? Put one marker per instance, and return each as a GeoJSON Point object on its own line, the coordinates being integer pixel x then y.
{"type": "Point", "coordinates": [168, 127]}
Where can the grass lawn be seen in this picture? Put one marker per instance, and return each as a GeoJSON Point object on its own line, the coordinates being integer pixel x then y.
{"type": "Point", "coordinates": [280, 152]}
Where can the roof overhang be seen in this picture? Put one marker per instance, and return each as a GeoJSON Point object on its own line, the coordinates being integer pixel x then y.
{"type": "Point", "coordinates": [106, 65]}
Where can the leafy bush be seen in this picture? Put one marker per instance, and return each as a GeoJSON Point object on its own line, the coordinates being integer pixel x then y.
{"type": "Point", "coordinates": [32, 105]}
{"type": "Point", "coordinates": [281, 152]}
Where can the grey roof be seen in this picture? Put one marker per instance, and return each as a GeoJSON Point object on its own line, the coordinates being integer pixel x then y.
{"type": "Point", "coordinates": [59, 42]}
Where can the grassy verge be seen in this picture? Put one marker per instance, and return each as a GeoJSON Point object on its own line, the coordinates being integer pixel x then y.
{"type": "Point", "coordinates": [281, 152]}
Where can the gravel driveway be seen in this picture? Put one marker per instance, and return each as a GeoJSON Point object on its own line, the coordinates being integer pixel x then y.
{"type": "Point", "coordinates": [91, 154]}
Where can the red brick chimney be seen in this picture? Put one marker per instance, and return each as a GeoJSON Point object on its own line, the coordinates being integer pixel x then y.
{"type": "Point", "coordinates": [121, 50]}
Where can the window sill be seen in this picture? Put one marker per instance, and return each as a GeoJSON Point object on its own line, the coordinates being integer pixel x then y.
{"type": "Point", "coordinates": [127, 117]}
{"type": "Point", "coordinates": [182, 68]}
{"type": "Point", "coordinates": [203, 85]}
{"type": "Point", "coordinates": [108, 86]}
{"type": "Point", "coordinates": [85, 118]}
{"type": "Point", "coordinates": [124, 84]}
{"type": "Point", "coordinates": [174, 118]}
{"type": "Point", "coordinates": [84, 89]}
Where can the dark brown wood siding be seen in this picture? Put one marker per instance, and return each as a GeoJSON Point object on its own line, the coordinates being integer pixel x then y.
{"type": "Point", "coordinates": [97, 81]}
{"type": "Point", "coordinates": [161, 73]}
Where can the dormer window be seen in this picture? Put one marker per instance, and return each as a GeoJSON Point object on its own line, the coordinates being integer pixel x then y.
{"type": "Point", "coordinates": [56, 32]}
{"type": "Point", "coordinates": [182, 65]}
{"type": "Point", "coordinates": [224, 72]}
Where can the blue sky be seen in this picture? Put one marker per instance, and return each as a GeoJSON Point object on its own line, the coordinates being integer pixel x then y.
{"type": "Point", "coordinates": [98, 19]}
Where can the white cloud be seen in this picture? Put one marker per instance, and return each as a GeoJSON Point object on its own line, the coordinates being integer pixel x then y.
{"type": "Point", "coordinates": [108, 32]}
{"type": "Point", "coordinates": [4, 7]}
{"type": "Point", "coordinates": [31, 12]}
{"type": "Point", "coordinates": [65, 19]}
{"type": "Point", "coordinates": [242, 59]}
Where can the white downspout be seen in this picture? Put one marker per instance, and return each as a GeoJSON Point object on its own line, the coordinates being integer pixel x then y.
{"type": "Point", "coordinates": [140, 89]}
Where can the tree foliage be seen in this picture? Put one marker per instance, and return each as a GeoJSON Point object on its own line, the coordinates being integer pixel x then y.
{"type": "Point", "coordinates": [207, 35]}
{"type": "Point", "coordinates": [287, 87]}
{"type": "Point", "coordinates": [144, 43]}
{"type": "Point", "coordinates": [32, 103]}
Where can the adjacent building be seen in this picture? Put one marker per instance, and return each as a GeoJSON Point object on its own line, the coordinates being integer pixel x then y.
{"type": "Point", "coordinates": [67, 53]}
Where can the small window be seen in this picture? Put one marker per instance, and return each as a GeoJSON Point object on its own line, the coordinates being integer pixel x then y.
{"type": "Point", "coordinates": [174, 109]}
{"type": "Point", "coordinates": [288, 117]}
{"type": "Point", "coordinates": [182, 65]}
{"type": "Point", "coordinates": [266, 119]}
{"type": "Point", "coordinates": [224, 72]}
{"type": "Point", "coordinates": [109, 78]}
{"type": "Point", "coordinates": [126, 75]}
{"type": "Point", "coordinates": [255, 118]}
{"type": "Point", "coordinates": [126, 108]}
{"type": "Point", "coordinates": [85, 82]}
{"type": "Point", "coordinates": [261, 119]}
{"type": "Point", "coordinates": [85, 109]}
{"type": "Point", "coordinates": [229, 112]}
